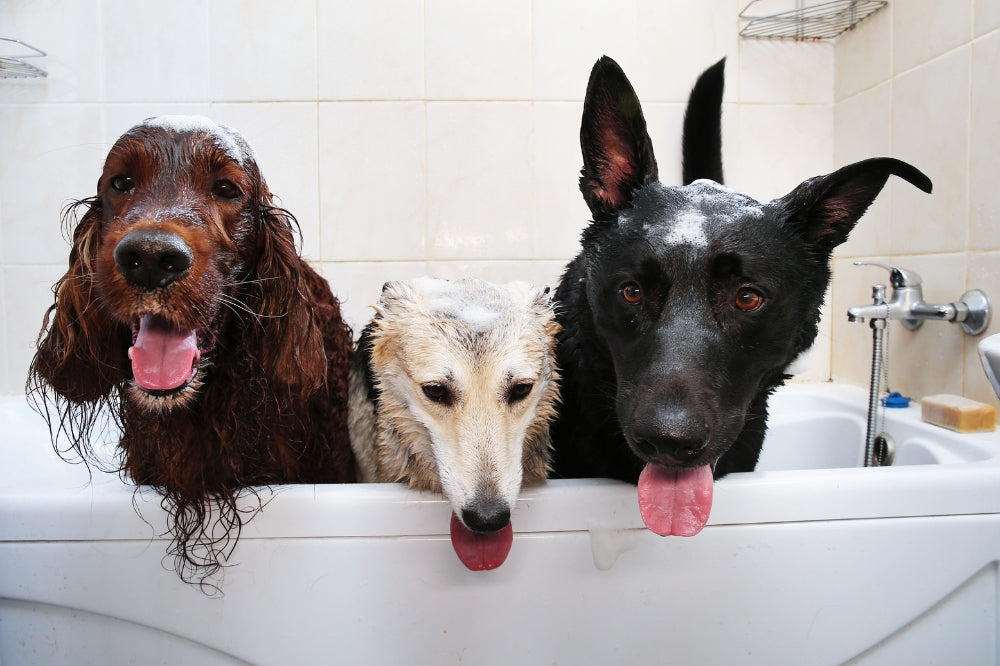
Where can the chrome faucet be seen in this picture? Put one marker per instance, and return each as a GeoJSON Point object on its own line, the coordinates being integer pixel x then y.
{"type": "Point", "coordinates": [971, 311]}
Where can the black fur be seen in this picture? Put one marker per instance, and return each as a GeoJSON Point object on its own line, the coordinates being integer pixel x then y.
{"type": "Point", "coordinates": [362, 362]}
{"type": "Point", "coordinates": [702, 158]}
{"type": "Point", "coordinates": [729, 292]}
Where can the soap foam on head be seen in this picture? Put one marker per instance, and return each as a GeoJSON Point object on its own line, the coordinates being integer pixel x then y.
{"type": "Point", "coordinates": [231, 141]}
{"type": "Point", "coordinates": [478, 309]}
{"type": "Point", "coordinates": [722, 203]}
{"type": "Point", "coordinates": [688, 229]}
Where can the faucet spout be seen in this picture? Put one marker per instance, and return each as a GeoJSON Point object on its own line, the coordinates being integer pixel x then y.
{"type": "Point", "coordinates": [971, 311]}
{"type": "Point", "coordinates": [862, 312]}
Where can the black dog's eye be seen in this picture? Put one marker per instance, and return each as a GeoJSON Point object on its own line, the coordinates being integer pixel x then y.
{"type": "Point", "coordinates": [225, 189]}
{"type": "Point", "coordinates": [748, 300]}
{"type": "Point", "coordinates": [438, 393]}
{"type": "Point", "coordinates": [631, 292]}
{"type": "Point", "coordinates": [519, 392]}
{"type": "Point", "coordinates": [122, 183]}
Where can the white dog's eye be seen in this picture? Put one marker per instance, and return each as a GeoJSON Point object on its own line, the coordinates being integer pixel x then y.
{"type": "Point", "coordinates": [438, 393]}
{"type": "Point", "coordinates": [519, 392]}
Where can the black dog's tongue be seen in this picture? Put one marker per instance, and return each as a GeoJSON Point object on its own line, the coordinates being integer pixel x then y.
{"type": "Point", "coordinates": [675, 500]}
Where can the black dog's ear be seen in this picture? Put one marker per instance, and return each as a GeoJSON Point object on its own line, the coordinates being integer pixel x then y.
{"type": "Point", "coordinates": [826, 208]}
{"type": "Point", "coordinates": [617, 153]}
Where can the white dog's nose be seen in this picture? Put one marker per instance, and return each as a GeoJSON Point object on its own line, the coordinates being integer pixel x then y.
{"type": "Point", "coordinates": [486, 514]}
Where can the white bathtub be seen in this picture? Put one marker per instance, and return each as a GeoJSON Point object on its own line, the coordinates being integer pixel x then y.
{"type": "Point", "coordinates": [801, 563]}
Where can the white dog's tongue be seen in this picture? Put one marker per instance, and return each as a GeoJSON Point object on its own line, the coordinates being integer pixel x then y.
{"type": "Point", "coordinates": [478, 551]}
{"type": "Point", "coordinates": [163, 358]}
{"type": "Point", "coordinates": [675, 500]}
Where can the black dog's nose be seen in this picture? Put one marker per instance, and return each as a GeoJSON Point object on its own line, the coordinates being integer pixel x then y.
{"type": "Point", "coordinates": [486, 515]}
{"type": "Point", "coordinates": [668, 440]}
{"type": "Point", "coordinates": [152, 258]}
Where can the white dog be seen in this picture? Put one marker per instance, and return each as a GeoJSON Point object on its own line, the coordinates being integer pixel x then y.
{"type": "Point", "coordinates": [452, 390]}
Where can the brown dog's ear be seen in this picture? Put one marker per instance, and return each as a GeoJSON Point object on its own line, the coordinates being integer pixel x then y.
{"type": "Point", "coordinates": [826, 208]}
{"type": "Point", "coordinates": [292, 343]}
{"type": "Point", "coordinates": [77, 347]}
{"type": "Point", "coordinates": [617, 152]}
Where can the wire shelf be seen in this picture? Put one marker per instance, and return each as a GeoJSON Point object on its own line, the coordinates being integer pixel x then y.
{"type": "Point", "coordinates": [824, 20]}
{"type": "Point", "coordinates": [13, 65]}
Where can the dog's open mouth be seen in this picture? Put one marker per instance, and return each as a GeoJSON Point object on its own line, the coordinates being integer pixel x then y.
{"type": "Point", "coordinates": [675, 500]}
{"type": "Point", "coordinates": [480, 551]}
{"type": "Point", "coordinates": [164, 358]}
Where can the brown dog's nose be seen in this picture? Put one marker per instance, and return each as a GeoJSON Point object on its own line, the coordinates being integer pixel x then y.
{"type": "Point", "coordinates": [152, 258]}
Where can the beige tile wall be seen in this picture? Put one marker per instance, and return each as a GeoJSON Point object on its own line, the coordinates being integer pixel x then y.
{"type": "Point", "coordinates": [921, 82]}
{"type": "Point", "coordinates": [441, 136]}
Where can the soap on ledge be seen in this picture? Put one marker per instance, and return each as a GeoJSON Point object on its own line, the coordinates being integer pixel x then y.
{"type": "Point", "coordinates": [958, 413]}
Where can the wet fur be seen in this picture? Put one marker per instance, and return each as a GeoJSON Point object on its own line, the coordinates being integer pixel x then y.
{"type": "Point", "coordinates": [682, 376]}
{"type": "Point", "coordinates": [269, 401]}
{"type": "Point", "coordinates": [400, 436]}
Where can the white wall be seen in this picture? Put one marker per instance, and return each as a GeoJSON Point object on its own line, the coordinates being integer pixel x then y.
{"type": "Point", "coordinates": [420, 137]}
{"type": "Point", "coordinates": [921, 82]}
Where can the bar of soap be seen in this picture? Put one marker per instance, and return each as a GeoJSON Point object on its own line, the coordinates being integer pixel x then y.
{"type": "Point", "coordinates": [957, 413]}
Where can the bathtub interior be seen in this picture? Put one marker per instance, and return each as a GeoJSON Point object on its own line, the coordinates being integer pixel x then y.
{"type": "Point", "coordinates": [823, 426]}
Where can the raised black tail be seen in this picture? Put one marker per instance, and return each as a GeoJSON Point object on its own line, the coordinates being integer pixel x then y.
{"type": "Point", "coordinates": [701, 145]}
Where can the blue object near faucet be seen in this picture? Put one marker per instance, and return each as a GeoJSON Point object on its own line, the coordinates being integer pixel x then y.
{"type": "Point", "coordinates": [895, 400]}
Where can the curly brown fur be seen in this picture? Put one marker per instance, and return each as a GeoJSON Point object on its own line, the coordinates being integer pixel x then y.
{"type": "Point", "coordinates": [453, 388]}
{"type": "Point", "coordinates": [266, 401]}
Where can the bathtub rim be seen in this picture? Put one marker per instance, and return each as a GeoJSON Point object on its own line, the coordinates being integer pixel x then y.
{"type": "Point", "coordinates": [103, 508]}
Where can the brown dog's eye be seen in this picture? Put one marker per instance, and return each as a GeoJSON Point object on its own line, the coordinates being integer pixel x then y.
{"type": "Point", "coordinates": [122, 183]}
{"type": "Point", "coordinates": [519, 392]}
{"type": "Point", "coordinates": [631, 293]}
{"type": "Point", "coordinates": [749, 300]}
{"type": "Point", "coordinates": [437, 393]}
{"type": "Point", "coordinates": [225, 189]}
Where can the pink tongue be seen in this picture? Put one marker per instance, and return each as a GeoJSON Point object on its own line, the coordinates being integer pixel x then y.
{"type": "Point", "coordinates": [163, 358]}
{"type": "Point", "coordinates": [480, 552]}
{"type": "Point", "coordinates": [675, 500]}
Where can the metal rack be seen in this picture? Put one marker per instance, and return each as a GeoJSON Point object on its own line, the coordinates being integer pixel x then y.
{"type": "Point", "coordinates": [823, 20]}
{"type": "Point", "coordinates": [13, 53]}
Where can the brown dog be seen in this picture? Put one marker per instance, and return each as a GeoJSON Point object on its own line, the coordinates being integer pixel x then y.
{"type": "Point", "coordinates": [188, 318]}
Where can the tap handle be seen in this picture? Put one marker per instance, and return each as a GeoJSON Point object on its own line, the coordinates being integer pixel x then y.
{"type": "Point", "coordinates": [899, 277]}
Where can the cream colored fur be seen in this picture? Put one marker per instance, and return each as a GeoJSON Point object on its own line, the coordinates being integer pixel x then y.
{"type": "Point", "coordinates": [477, 340]}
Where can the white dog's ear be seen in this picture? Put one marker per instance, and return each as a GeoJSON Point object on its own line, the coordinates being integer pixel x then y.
{"type": "Point", "coordinates": [395, 293]}
{"type": "Point", "coordinates": [537, 299]}
{"type": "Point", "coordinates": [542, 299]}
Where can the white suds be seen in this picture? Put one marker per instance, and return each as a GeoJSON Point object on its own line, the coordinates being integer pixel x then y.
{"type": "Point", "coordinates": [722, 200]}
{"type": "Point", "coordinates": [231, 141]}
{"type": "Point", "coordinates": [478, 317]}
{"type": "Point", "coordinates": [478, 304]}
{"type": "Point", "coordinates": [688, 229]}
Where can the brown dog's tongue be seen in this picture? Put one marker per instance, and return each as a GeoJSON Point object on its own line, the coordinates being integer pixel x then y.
{"type": "Point", "coordinates": [478, 551]}
{"type": "Point", "coordinates": [163, 358]}
{"type": "Point", "coordinates": [675, 500]}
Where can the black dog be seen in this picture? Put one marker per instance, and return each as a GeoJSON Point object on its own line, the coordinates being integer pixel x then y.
{"type": "Point", "coordinates": [687, 304]}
